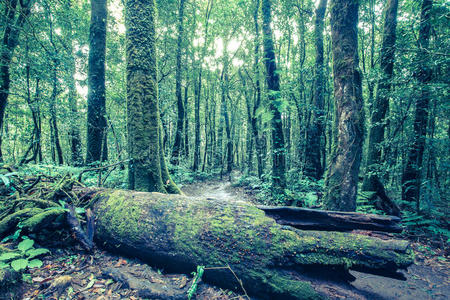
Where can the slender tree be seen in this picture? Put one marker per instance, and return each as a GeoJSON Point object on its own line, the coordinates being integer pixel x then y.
{"type": "Point", "coordinates": [379, 108]}
{"type": "Point", "coordinates": [96, 110]}
{"type": "Point", "coordinates": [15, 17]}
{"type": "Point", "coordinates": [411, 178]}
{"type": "Point", "coordinates": [177, 145]}
{"type": "Point", "coordinates": [314, 145]}
{"type": "Point", "coordinates": [342, 176]}
{"type": "Point", "coordinates": [273, 85]}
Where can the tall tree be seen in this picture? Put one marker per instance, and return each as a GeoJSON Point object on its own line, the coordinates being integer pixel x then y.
{"type": "Point", "coordinates": [423, 74]}
{"type": "Point", "coordinates": [314, 145]}
{"type": "Point", "coordinates": [177, 145]}
{"type": "Point", "coordinates": [96, 110]}
{"type": "Point", "coordinates": [342, 176]}
{"type": "Point", "coordinates": [198, 88]}
{"type": "Point", "coordinates": [380, 106]}
{"type": "Point", "coordinates": [147, 170]}
{"type": "Point", "coordinates": [74, 131]}
{"type": "Point", "coordinates": [15, 17]}
{"type": "Point", "coordinates": [273, 85]}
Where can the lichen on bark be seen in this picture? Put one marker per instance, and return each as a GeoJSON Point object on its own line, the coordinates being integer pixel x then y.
{"type": "Point", "coordinates": [147, 171]}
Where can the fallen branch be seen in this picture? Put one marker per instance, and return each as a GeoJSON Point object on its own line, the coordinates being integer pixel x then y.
{"type": "Point", "coordinates": [314, 219]}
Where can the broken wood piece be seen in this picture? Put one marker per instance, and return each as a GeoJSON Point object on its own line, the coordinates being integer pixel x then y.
{"type": "Point", "coordinates": [314, 219]}
{"type": "Point", "coordinates": [85, 240]}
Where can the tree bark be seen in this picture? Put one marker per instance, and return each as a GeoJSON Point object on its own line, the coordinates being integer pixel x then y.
{"type": "Point", "coordinates": [376, 133]}
{"type": "Point", "coordinates": [178, 233]}
{"type": "Point", "coordinates": [342, 176]}
{"type": "Point", "coordinates": [143, 117]}
{"type": "Point", "coordinates": [314, 145]}
{"type": "Point", "coordinates": [314, 219]}
{"type": "Point", "coordinates": [96, 111]}
{"type": "Point", "coordinates": [10, 40]}
{"type": "Point", "coordinates": [273, 85]}
{"type": "Point", "coordinates": [180, 105]}
{"type": "Point", "coordinates": [411, 178]}
{"type": "Point", "coordinates": [74, 131]}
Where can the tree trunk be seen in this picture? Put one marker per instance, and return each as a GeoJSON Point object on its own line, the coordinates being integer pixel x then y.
{"type": "Point", "coordinates": [96, 110]}
{"type": "Point", "coordinates": [180, 105]}
{"type": "Point", "coordinates": [342, 176]}
{"type": "Point", "coordinates": [376, 133]}
{"type": "Point", "coordinates": [273, 85]}
{"type": "Point", "coordinates": [143, 120]}
{"type": "Point", "coordinates": [178, 233]}
{"type": "Point", "coordinates": [412, 173]}
{"type": "Point", "coordinates": [10, 39]}
{"type": "Point", "coordinates": [53, 116]}
{"type": "Point", "coordinates": [314, 219]}
{"type": "Point", "coordinates": [186, 122]}
{"type": "Point", "coordinates": [314, 145]}
{"type": "Point", "coordinates": [74, 131]}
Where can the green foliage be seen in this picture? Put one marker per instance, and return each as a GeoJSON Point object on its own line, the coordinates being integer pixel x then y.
{"type": "Point", "coordinates": [24, 256]}
{"type": "Point", "coordinates": [197, 277]}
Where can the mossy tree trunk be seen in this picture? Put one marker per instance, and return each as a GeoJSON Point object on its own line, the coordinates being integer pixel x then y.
{"type": "Point", "coordinates": [273, 85]}
{"type": "Point", "coordinates": [178, 233]}
{"type": "Point", "coordinates": [177, 145]}
{"type": "Point", "coordinates": [96, 109]}
{"type": "Point", "coordinates": [147, 168]}
{"type": "Point", "coordinates": [14, 18]}
{"type": "Point", "coordinates": [380, 106]}
{"type": "Point", "coordinates": [342, 176]}
{"type": "Point", "coordinates": [314, 145]}
{"type": "Point", "coordinates": [411, 175]}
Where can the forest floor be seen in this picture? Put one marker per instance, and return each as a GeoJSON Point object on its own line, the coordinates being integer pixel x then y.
{"type": "Point", "coordinates": [74, 275]}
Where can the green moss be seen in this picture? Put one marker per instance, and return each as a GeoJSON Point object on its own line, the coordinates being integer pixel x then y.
{"type": "Point", "coordinates": [8, 223]}
{"type": "Point", "coordinates": [43, 219]}
{"type": "Point", "coordinates": [116, 210]}
{"type": "Point", "coordinates": [170, 228]}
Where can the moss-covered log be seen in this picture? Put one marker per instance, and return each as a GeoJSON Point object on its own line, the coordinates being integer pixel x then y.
{"type": "Point", "coordinates": [177, 233]}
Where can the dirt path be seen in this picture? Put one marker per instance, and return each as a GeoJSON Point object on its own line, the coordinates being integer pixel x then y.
{"type": "Point", "coordinates": [428, 278]}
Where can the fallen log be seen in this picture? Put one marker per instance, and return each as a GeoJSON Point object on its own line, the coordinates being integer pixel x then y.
{"type": "Point", "coordinates": [314, 219]}
{"type": "Point", "coordinates": [178, 233]}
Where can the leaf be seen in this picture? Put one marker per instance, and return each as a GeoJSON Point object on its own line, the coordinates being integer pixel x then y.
{"type": "Point", "coordinates": [19, 264]}
{"type": "Point", "coordinates": [80, 210]}
{"type": "Point", "coordinates": [5, 180]}
{"type": "Point", "coordinates": [35, 263]}
{"type": "Point", "coordinates": [3, 265]}
{"type": "Point", "coordinates": [9, 255]}
{"type": "Point", "coordinates": [90, 284]}
{"type": "Point", "coordinates": [25, 245]}
{"type": "Point", "coordinates": [36, 252]}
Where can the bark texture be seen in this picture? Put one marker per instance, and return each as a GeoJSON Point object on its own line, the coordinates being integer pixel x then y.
{"type": "Point", "coordinates": [177, 145]}
{"type": "Point", "coordinates": [273, 85]}
{"type": "Point", "coordinates": [16, 15]}
{"type": "Point", "coordinates": [314, 146]}
{"type": "Point", "coordinates": [96, 111]}
{"type": "Point", "coordinates": [142, 97]}
{"type": "Point", "coordinates": [411, 178]}
{"type": "Point", "coordinates": [342, 177]}
{"type": "Point", "coordinates": [147, 168]}
{"type": "Point", "coordinates": [376, 133]}
{"type": "Point", "coordinates": [178, 233]}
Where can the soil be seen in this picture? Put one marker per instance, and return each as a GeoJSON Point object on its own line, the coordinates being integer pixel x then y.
{"type": "Point", "coordinates": [72, 274]}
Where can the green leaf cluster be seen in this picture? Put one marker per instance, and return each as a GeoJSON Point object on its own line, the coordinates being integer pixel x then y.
{"type": "Point", "coordinates": [23, 257]}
